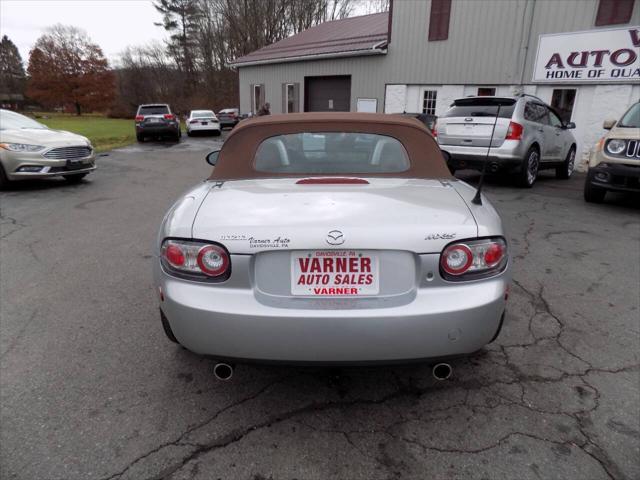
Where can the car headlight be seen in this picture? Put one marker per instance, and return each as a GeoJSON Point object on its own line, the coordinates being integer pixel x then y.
{"type": "Point", "coordinates": [616, 147]}
{"type": "Point", "coordinates": [21, 147]}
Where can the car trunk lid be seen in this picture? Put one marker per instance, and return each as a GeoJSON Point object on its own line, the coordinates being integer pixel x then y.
{"type": "Point", "coordinates": [251, 216]}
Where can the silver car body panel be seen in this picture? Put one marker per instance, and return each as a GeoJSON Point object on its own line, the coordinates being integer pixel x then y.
{"type": "Point", "coordinates": [254, 315]}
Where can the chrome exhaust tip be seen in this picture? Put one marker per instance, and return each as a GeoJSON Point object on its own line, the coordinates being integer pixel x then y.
{"type": "Point", "coordinates": [223, 371]}
{"type": "Point", "coordinates": [442, 371]}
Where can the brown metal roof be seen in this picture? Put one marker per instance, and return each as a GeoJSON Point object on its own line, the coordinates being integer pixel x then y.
{"type": "Point", "coordinates": [353, 36]}
{"type": "Point", "coordinates": [236, 158]}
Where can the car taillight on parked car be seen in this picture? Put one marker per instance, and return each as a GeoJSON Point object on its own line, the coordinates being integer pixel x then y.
{"type": "Point", "coordinates": [169, 116]}
{"type": "Point", "coordinates": [195, 260]}
{"type": "Point", "coordinates": [474, 259]}
{"type": "Point", "coordinates": [515, 131]}
{"type": "Point", "coordinates": [139, 118]}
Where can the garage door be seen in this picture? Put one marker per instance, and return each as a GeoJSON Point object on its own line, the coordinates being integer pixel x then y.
{"type": "Point", "coordinates": [327, 94]}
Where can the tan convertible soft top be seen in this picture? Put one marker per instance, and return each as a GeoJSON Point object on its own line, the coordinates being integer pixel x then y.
{"type": "Point", "coordinates": [237, 155]}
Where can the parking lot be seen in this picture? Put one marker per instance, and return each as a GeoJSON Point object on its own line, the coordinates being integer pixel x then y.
{"type": "Point", "coordinates": [90, 388]}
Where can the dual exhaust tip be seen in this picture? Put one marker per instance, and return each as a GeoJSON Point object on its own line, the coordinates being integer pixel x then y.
{"type": "Point", "coordinates": [224, 371]}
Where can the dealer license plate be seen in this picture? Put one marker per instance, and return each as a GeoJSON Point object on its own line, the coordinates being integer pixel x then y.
{"type": "Point", "coordinates": [335, 273]}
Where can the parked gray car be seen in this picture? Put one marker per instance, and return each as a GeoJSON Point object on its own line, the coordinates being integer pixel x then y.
{"type": "Point", "coordinates": [529, 136]}
{"type": "Point", "coordinates": [331, 238]}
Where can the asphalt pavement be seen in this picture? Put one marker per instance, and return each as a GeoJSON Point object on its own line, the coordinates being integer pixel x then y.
{"type": "Point", "coordinates": [90, 388]}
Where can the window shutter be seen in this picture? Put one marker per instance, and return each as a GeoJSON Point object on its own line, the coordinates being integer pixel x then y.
{"type": "Point", "coordinates": [284, 98]}
{"type": "Point", "coordinates": [296, 97]}
{"type": "Point", "coordinates": [252, 102]}
{"type": "Point", "coordinates": [614, 12]}
{"type": "Point", "coordinates": [439, 20]}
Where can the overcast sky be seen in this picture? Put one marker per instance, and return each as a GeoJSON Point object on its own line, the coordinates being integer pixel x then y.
{"type": "Point", "coordinates": [112, 24]}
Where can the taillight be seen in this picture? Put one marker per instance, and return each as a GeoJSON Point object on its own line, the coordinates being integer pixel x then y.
{"type": "Point", "coordinates": [434, 129]}
{"type": "Point", "coordinates": [139, 118]}
{"type": "Point", "coordinates": [515, 131]}
{"type": "Point", "coordinates": [474, 259]}
{"type": "Point", "coordinates": [195, 260]}
{"type": "Point", "coordinates": [169, 116]}
{"type": "Point", "coordinates": [193, 121]}
{"type": "Point", "coordinates": [213, 260]}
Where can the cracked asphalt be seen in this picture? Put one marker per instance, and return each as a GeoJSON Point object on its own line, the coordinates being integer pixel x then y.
{"type": "Point", "coordinates": [90, 388]}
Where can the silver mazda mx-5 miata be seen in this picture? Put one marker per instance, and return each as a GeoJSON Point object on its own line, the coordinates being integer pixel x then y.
{"type": "Point", "coordinates": [331, 238]}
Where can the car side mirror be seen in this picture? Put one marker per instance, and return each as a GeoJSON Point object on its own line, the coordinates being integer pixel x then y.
{"type": "Point", "coordinates": [570, 125]}
{"type": "Point", "coordinates": [212, 158]}
{"type": "Point", "coordinates": [608, 124]}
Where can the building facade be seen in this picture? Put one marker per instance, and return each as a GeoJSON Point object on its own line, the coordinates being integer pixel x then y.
{"type": "Point", "coordinates": [580, 56]}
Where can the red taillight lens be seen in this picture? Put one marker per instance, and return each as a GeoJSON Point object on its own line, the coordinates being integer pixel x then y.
{"type": "Point", "coordinates": [169, 116]}
{"type": "Point", "coordinates": [193, 121]}
{"type": "Point", "coordinates": [195, 260]}
{"type": "Point", "coordinates": [213, 260]}
{"type": "Point", "coordinates": [174, 255]}
{"type": "Point", "coordinates": [434, 130]}
{"type": "Point", "coordinates": [515, 131]}
{"type": "Point", "coordinates": [493, 254]}
{"type": "Point", "coordinates": [474, 259]}
{"type": "Point", "coordinates": [139, 118]}
{"type": "Point", "coordinates": [456, 259]}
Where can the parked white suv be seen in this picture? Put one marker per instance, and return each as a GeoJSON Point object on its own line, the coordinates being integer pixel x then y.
{"type": "Point", "coordinates": [529, 136]}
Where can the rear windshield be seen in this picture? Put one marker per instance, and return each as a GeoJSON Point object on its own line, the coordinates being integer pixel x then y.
{"type": "Point", "coordinates": [15, 121]}
{"type": "Point", "coordinates": [631, 119]}
{"type": "Point", "coordinates": [228, 110]}
{"type": "Point", "coordinates": [202, 114]}
{"type": "Point", "coordinates": [479, 109]}
{"type": "Point", "coordinates": [331, 153]}
{"type": "Point", "coordinates": [153, 110]}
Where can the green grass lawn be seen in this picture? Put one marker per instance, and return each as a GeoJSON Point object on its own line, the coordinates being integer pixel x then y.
{"type": "Point", "coordinates": [104, 133]}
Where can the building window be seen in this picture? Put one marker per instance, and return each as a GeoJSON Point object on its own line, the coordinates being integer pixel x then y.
{"type": "Point", "coordinates": [439, 20]}
{"type": "Point", "coordinates": [291, 102]}
{"type": "Point", "coordinates": [614, 12]}
{"type": "Point", "coordinates": [429, 102]}
{"type": "Point", "coordinates": [258, 97]}
{"type": "Point", "coordinates": [486, 92]}
{"type": "Point", "coordinates": [562, 101]}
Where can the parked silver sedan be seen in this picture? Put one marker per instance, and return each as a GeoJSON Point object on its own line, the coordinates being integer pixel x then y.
{"type": "Point", "coordinates": [331, 238]}
{"type": "Point", "coordinates": [30, 150]}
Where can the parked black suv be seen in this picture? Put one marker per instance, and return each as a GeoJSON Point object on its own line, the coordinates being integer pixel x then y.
{"type": "Point", "coordinates": [156, 120]}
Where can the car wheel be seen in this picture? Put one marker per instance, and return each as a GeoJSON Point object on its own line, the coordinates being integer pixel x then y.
{"type": "Point", "coordinates": [167, 328]}
{"type": "Point", "coordinates": [593, 194]}
{"type": "Point", "coordinates": [4, 181]}
{"type": "Point", "coordinates": [140, 137]}
{"type": "Point", "coordinates": [74, 178]}
{"type": "Point", "coordinates": [189, 133]}
{"type": "Point", "coordinates": [565, 170]}
{"type": "Point", "coordinates": [529, 170]}
{"type": "Point", "coordinates": [217, 133]}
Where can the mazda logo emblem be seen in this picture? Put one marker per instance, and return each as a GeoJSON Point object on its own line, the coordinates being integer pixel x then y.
{"type": "Point", "coordinates": [335, 237]}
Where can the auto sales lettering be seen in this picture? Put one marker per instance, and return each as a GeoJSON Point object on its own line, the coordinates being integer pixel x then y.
{"type": "Point", "coordinates": [334, 273]}
{"type": "Point", "coordinates": [592, 56]}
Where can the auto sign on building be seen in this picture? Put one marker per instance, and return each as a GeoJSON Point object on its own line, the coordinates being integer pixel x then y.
{"type": "Point", "coordinates": [582, 58]}
{"type": "Point", "coordinates": [591, 56]}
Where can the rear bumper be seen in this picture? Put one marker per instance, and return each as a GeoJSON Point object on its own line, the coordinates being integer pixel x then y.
{"type": "Point", "coordinates": [615, 177]}
{"type": "Point", "coordinates": [202, 128]}
{"type": "Point", "coordinates": [508, 155]}
{"type": "Point", "coordinates": [442, 320]}
{"type": "Point", "coordinates": [158, 130]}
